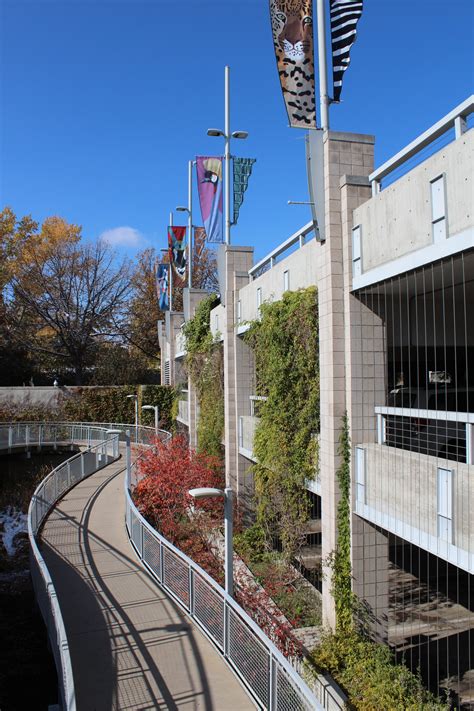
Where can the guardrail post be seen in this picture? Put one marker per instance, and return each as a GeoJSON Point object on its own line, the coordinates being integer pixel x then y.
{"type": "Point", "coordinates": [128, 458]}
{"type": "Point", "coordinates": [162, 564]}
{"type": "Point", "coordinates": [191, 591]}
{"type": "Point", "coordinates": [272, 685]}
{"type": "Point", "coordinates": [27, 441]}
{"type": "Point", "coordinates": [226, 635]}
{"type": "Point", "coordinates": [469, 443]}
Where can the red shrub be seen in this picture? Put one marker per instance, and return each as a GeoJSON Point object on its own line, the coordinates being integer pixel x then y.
{"type": "Point", "coordinates": [167, 473]}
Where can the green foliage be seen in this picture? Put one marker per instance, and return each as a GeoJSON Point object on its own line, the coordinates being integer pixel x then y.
{"type": "Point", "coordinates": [369, 675]}
{"type": "Point", "coordinates": [97, 404]}
{"type": "Point", "coordinates": [111, 404]}
{"type": "Point", "coordinates": [250, 544]}
{"type": "Point", "coordinates": [340, 561]}
{"type": "Point", "coordinates": [285, 343]}
{"type": "Point", "coordinates": [205, 366]}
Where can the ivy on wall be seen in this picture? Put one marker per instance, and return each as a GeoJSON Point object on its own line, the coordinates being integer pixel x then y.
{"type": "Point", "coordinates": [285, 343]}
{"type": "Point", "coordinates": [205, 366]}
{"type": "Point", "coordinates": [341, 559]}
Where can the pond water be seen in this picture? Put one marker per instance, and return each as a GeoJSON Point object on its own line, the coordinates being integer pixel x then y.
{"type": "Point", "coordinates": [27, 671]}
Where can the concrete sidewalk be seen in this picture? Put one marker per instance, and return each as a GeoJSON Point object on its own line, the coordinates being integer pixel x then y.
{"type": "Point", "coordinates": [131, 646]}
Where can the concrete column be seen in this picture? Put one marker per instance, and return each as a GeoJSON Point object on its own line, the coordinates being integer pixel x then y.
{"type": "Point", "coordinates": [350, 154]}
{"type": "Point", "coordinates": [236, 261]}
{"type": "Point", "coordinates": [173, 322]}
{"type": "Point", "coordinates": [365, 365]}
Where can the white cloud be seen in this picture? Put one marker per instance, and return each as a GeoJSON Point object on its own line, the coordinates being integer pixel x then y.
{"type": "Point", "coordinates": [123, 237]}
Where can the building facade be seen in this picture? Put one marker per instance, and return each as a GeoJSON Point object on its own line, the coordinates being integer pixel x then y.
{"type": "Point", "coordinates": [395, 284]}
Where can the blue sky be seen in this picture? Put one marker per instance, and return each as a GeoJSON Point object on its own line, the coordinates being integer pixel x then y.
{"type": "Point", "coordinates": [104, 102]}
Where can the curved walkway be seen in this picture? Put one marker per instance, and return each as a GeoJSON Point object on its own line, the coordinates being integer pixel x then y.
{"type": "Point", "coordinates": [131, 647]}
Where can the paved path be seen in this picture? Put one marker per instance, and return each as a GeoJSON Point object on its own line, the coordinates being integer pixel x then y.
{"type": "Point", "coordinates": [131, 646]}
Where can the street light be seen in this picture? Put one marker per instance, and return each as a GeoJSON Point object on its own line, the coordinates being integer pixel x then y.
{"type": "Point", "coordinates": [227, 135]}
{"type": "Point", "coordinates": [155, 408]}
{"type": "Point", "coordinates": [228, 525]}
{"type": "Point", "coordinates": [136, 414]}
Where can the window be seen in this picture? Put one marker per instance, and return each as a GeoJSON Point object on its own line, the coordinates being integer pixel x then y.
{"type": "Point", "coordinates": [286, 280]}
{"type": "Point", "coordinates": [259, 299]}
{"type": "Point", "coordinates": [239, 311]}
{"type": "Point", "coordinates": [356, 252]}
{"type": "Point", "coordinates": [445, 504]}
{"type": "Point", "coordinates": [438, 209]}
{"type": "Point", "coordinates": [216, 323]}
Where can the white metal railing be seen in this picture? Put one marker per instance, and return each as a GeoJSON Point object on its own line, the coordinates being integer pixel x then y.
{"type": "Point", "coordinates": [435, 432]}
{"type": "Point", "coordinates": [456, 117]}
{"type": "Point", "coordinates": [299, 237]}
{"type": "Point", "coordinates": [183, 410]}
{"type": "Point", "coordinates": [269, 677]}
{"type": "Point", "coordinates": [102, 447]}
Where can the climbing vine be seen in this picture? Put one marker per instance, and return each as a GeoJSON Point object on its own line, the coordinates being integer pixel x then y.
{"type": "Point", "coordinates": [205, 366]}
{"type": "Point", "coordinates": [285, 343]}
{"type": "Point", "coordinates": [341, 559]}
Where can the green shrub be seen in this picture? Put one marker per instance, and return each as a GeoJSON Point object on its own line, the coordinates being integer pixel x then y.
{"type": "Point", "coordinates": [369, 675]}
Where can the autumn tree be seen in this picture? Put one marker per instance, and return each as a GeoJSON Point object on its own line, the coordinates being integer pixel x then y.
{"type": "Point", "coordinates": [69, 299]}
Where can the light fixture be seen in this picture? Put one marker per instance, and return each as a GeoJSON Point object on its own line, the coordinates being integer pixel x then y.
{"type": "Point", "coordinates": [227, 494]}
{"type": "Point", "coordinates": [182, 209]}
{"type": "Point", "coordinates": [215, 132]}
{"type": "Point", "coordinates": [239, 134]}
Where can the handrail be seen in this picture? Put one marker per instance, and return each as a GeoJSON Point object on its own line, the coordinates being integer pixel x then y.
{"type": "Point", "coordinates": [46, 495]}
{"type": "Point", "coordinates": [270, 678]}
{"type": "Point", "coordinates": [456, 118]}
{"type": "Point", "coordinates": [298, 236]}
{"type": "Point", "coordinates": [450, 415]}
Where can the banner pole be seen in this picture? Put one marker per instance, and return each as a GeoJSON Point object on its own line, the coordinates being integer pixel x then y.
{"type": "Point", "coordinates": [322, 61]}
{"type": "Point", "coordinates": [227, 154]}
{"type": "Point", "coordinates": [190, 224]}
{"type": "Point", "coordinates": [171, 269]}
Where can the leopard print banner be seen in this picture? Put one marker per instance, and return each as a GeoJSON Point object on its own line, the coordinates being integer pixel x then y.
{"type": "Point", "coordinates": [292, 29]}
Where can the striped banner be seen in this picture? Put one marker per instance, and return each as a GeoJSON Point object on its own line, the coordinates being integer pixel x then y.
{"type": "Point", "coordinates": [344, 17]}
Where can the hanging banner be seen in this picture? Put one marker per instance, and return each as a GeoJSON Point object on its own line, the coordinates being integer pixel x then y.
{"type": "Point", "coordinates": [162, 281]}
{"type": "Point", "coordinates": [344, 17]}
{"type": "Point", "coordinates": [209, 178]}
{"type": "Point", "coordinates": [199, 240]}
{"type": "Point", "coordinates": [242, 173]}
{"type": "Point", "coordinates": [177, 250]}
{"type": "Point", "coordinates": [292, 29]}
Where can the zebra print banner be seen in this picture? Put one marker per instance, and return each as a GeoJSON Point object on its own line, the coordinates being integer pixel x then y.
{"type": "Point", "coordinates": [344, 17]}
{"type": "Point", "coordinates": [292, 29]}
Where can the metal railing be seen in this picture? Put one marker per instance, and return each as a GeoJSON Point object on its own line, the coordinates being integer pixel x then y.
{"type": "Point", "coordinates": [437, 433]}
{"type": "Point", "coordinates": [101, 448]}
{"type": "Point", "coordinates": [269, 261]}
{"type": "Point", "coordinates": [269, 677]}
{"type": "Point", "coordinates": [456, 118]}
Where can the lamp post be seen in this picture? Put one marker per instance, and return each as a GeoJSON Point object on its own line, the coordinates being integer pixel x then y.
{"type": "Point", "coordinates": [228, 526]}
{"type": "Point", "coordinates": [189, 210]}
{"type": "Point", "coordinates": [227, 135]}
{"type": "Point", "coordinates": [156, 409]}
{"type": "Point", "coordinates": [136, 414]}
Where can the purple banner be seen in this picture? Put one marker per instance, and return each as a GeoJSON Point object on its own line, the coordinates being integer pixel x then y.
{"type": "Point", "coordinates": [209, 177]}
{"type": "Point", "coordinates": [162, 286]}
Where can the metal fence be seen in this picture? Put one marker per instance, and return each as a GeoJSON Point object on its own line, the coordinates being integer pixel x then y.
{"type": "Point", "coordinates": [49, 491]}
{"type": "Point", "coordinates": [269, 677]}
